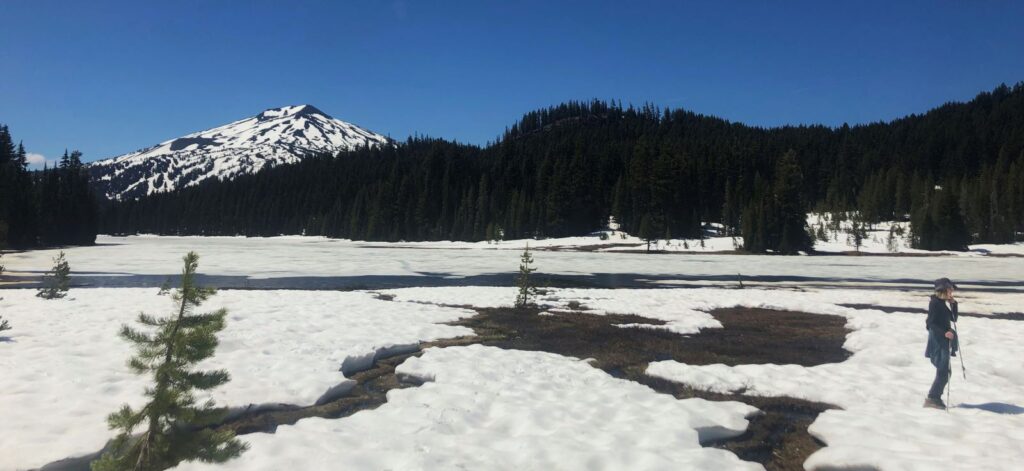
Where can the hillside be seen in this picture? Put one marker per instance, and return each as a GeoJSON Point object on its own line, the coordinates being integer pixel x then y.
{"type": "Point", "coordinates": [957, 171]}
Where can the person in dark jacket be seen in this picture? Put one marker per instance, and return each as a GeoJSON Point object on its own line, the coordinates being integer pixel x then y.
{"type": "Point", "coordinates": [941, 338]}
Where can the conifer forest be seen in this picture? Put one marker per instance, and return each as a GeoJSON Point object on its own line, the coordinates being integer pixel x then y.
{"type": "Point", "coordinates": [957, 172]}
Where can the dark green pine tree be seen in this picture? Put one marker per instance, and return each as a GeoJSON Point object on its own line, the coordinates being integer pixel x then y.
{"type": "Point", "coordinates": [56, 281]}
{"type": "Point", "coordinates": [647, 231]}
{"type": "Point", "coordinates": [937, 223]}
{"type": "Point", "coordinates": [730, 211]}
{"type": "Point", "coordinates": [22, 206]}
{"type": "Point", "coordinates": [791, 211]}
{"type": "Point", "coordinates": [527, 289]}
{"type": "Point", "coordinates": [756, 223]}
{"type": "Point", "coordinates": [951, 231]}
{"type": "Point", "coordinates": [753, 227]}
{"type": "Point", "coordinates": [175, 427]}
{"type": "Point", "coordinates": [7, 173]}
{"type": "Point", "coordinates": [858, 232]}
{"type": "Point", "coordinates": [4, 325]}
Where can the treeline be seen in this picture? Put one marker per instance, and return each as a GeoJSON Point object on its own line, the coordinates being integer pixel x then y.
{"type": "Point", "coordinates": [44, 208]}
{"type": "Point", "coordinates": [957, 171]}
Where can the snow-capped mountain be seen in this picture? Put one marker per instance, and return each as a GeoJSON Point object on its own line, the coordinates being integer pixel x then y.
{"type": "Point", "coordinates": [273, 137]}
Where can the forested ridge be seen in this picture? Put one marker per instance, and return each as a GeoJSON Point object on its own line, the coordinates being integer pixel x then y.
{"type": "Point", "coordinates": [956, 171]}
{"type": "Point", "coordinates": [47, 207]}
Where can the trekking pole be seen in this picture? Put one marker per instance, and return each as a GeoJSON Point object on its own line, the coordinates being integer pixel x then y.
{"type": "Point", "coordinates": [949, 378]}
{"type": "Point", "coordinates": [960, 346]}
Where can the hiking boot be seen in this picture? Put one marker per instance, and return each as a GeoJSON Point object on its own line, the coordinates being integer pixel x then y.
{"type": "Point", "coordinates": [934, 403]}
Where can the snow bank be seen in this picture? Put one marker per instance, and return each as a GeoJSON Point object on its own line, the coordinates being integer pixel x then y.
{"type": "Point", "coordinates": [487, 408]}
{"type": "Point", "coordinates": [64, 365]}
{"type": "Point", "coordinates": [878, 241]}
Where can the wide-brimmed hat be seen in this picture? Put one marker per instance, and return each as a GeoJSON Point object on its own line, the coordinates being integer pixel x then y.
{"type": "Point", "coordinates": [944, 283]}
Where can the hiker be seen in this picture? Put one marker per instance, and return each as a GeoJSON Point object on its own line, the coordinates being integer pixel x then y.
{"type": "Point", "coordinates": [940, 338]}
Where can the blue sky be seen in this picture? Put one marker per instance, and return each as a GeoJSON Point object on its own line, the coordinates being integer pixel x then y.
{"type": "Point", "coordinates": [111, 77]}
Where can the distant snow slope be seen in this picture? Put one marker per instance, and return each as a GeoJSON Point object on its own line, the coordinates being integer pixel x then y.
{"type": "Point", "coordinates": [273, 137]}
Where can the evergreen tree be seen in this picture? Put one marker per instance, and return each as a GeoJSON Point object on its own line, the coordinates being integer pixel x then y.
{"type": "Point", "coordinates": [819, 232]}
{"type": "Point", "coordinates": [176, 428]}
{"type": "Point", "coordinates": [527, 290]}
{"type": "Point", "coordinates": [56, 281]}
{"type": "Point", "coordinates": [951, 232]}
{"type": "Point", "coordinates": [755, 219]}
{"type": "Point", "coordinates": [4, 325]}
{"type": "Point", "coordinates": [937, 223]}
{"type": "Point", "coordinates": [790, 209]}
{"type": "Point", "coordinates": [647, 231]}
{"type": "Point", "coordinates": [3, 244]}
{"type": "Point", "coordinates": [858, 232]}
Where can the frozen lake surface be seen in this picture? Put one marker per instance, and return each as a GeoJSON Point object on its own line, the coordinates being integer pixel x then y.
{"type": "Point", "coordinates": [319, 263]}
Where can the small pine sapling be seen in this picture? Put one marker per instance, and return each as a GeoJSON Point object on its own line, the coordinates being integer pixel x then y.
{"type": "Point", "coordinates": [858, 232]}
{"type": "Point", "coordinates": [527, 291]}
{"type": "Point", "coordinates": [820, 233]}
{"type": "Point", "coordinates": [57, 280]}
{"type": "Point", "coordinates": [4, 325]}
{"type": "Point", "coordinates": [176, 428]}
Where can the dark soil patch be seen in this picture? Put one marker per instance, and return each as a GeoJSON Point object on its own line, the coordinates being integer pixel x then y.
{"type": "Point", "coordinates": [778, 438]}
{"type": "Point", "coordinates": [749, 336]}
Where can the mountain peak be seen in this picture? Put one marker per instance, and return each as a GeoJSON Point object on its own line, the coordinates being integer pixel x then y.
{"type": "Point", "coordinates": [274, 137]}
{"type": "Point", "coordinates": [288, 111]}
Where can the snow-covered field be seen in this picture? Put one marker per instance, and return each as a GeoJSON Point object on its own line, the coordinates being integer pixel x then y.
{"type": "Point", "coordinates": [487, 408]}
{"type": "Point", "coordinates": [64, 366]}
